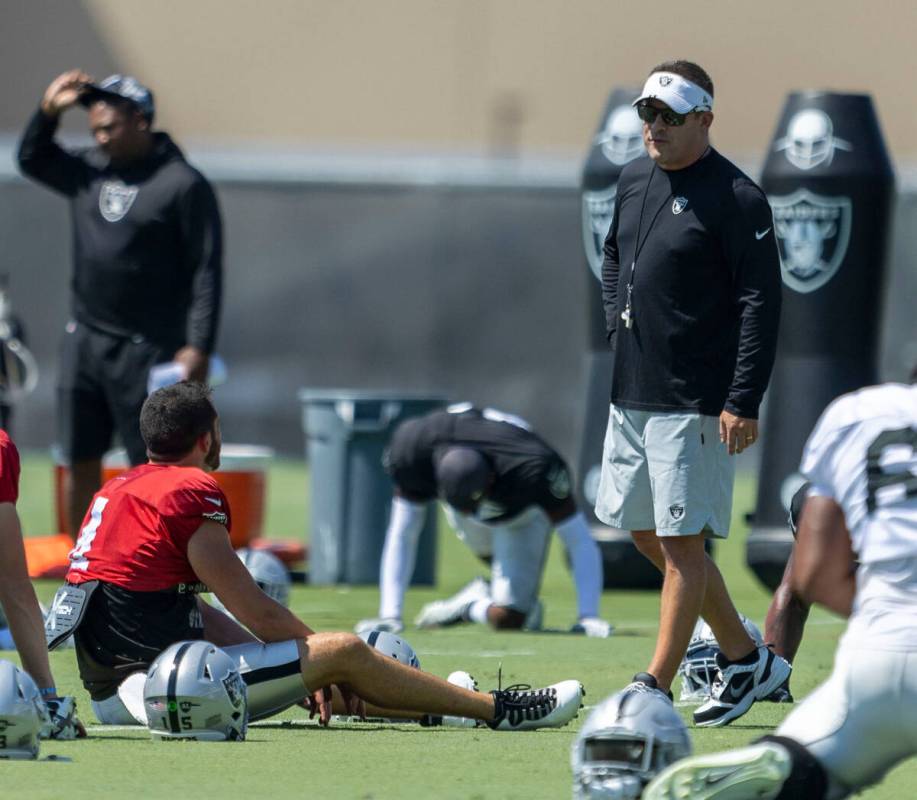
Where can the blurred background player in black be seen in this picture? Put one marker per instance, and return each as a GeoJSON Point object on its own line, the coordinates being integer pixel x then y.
{"type": "Point", "coordinates": [147, 267]}
{"type": "Point", "coordinates": [504, 489]}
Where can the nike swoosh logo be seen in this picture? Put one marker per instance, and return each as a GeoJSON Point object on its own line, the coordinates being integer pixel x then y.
{"type": "Point", "coordinates": [214, 501]}
{"type": "Point", "coordinates": [738, 690]}
{"type": "Point", "coordinates": [719, 776]}
{"type": "Point", "coordinates": [760, 236]}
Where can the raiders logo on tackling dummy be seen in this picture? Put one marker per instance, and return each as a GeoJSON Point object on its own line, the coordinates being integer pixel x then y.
{"type": "Point", "coordinates": [620, 141]}
{"type": "Point", "coordinates": [116, 199]}
{"type": "Point", "coordinates": [812, 236]}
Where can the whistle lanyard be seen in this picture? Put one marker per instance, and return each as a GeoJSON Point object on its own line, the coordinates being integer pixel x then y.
{"type": "Point", "coordinates": [628, 314]}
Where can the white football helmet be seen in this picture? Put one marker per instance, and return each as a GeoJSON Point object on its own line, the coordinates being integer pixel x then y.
{"type": "Point", "coordinates": [393, 646]}
{"type": "Point", "coordinates": [268, 572]}
{"type": "Point", "coordinates": [627, 739]}
{"type": "Point", "coordinates": [193, 690]}
{"type": "Point", "coordinates": [22, 713]}
{"type": "Point", "coordinates": [698, 668]}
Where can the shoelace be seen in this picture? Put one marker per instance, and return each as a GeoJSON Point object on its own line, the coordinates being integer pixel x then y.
{"type": "Point", "coordinates": [518, 702]}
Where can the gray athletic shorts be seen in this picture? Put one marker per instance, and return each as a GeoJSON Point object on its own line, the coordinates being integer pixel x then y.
{"type": "Point", "coordinates": [517, 547]}
{"type": "Point", "coordinates": [271, 673]}
{"type": "Point", "coordinates": [862, 720]}
{"type": "Point", "coordinates": [665, 471]}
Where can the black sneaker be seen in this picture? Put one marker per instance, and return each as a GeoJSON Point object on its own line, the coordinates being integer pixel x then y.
{"type": "Point", "coordinates": [781, 694]}
{"type": "Point", "coordinates": [521, 708]}
{"type": "Point", "coordinates": [646, 681]}
{"type": "Point", "coordinates": [738, 685]}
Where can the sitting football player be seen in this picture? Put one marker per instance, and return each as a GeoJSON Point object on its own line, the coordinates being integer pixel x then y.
{"type": "Point", "coordinates": [19, 604]}
{"type": "Point", "coordinates": [504, 490]}
{"type": "Point", "coordinates": [158, 535]}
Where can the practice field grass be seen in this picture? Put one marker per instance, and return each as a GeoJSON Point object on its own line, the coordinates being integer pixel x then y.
{"type": "Point", "coordinates": [290, 757]}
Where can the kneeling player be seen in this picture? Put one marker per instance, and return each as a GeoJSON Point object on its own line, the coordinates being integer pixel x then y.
{"type": "Point", "coordinates": [862, 462]}
{"type": "Point", "coordinates": [157, 535]}
{"type": "Point", "coordinates": [504, 490]}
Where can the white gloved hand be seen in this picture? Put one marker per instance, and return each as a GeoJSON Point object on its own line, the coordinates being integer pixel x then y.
{"type": "Point", "coordinates": [593, 626]}
{"type": "Point", "coordinates": [388, 624]}
{"type": "Point", "coordinates": [62, 721]}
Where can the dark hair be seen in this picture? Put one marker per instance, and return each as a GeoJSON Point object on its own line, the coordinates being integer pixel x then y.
{"type": "Point", "coordinates": [172, 419]}
{"type": "Point", "coordinates": [123, 105]}
{"type": "Point", "coordinates": [688, 70]}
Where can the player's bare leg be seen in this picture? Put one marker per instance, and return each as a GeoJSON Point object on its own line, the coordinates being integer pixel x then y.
{"type": "Point", "coordinates": [342, 658]}
{"type": "Point", "coordinates": [786, 618]}
{"type": "Point", "coordinates": [683, 588]}
{"type": "Point", "coordinates": [505, 618]}
{"type": "Point", "coordinates": [717, 608]}
{"type": "Point", "coordinates": [82, 480]}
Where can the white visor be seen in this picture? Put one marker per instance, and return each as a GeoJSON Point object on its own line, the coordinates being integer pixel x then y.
{"type": "Point", "coordinates": [676, 92]}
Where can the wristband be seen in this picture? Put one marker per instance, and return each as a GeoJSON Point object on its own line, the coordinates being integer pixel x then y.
{"type": "Point", "coordinates": [48, 691]}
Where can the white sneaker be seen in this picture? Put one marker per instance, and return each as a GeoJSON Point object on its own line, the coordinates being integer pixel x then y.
{"type": "Point", "coordinates": [520, 708]}
{"type": "Point", "coordinates": [737, 686]}
{"type": "Point", "coordinates": [387, 624]}
{"type": "Point", "coordinates": [453, 609]}
{"type": "Point", "coordinates": [758, 771]}
{"type": "Point", "coordinates": [593, 626]}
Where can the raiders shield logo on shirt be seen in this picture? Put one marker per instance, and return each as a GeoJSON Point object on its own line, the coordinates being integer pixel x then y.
{"type": "Point", "coordinates": [116, 199]}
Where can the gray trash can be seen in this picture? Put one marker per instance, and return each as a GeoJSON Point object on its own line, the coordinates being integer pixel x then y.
{"type": "Point", "coordinates": [347, 432]}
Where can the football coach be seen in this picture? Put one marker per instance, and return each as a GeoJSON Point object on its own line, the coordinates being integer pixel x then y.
{"type": "Point", "coordinates": [691, 290]}
{"type": "Point", "coordinates": [147, 266]}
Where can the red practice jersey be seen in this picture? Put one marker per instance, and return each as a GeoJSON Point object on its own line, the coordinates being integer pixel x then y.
{"type": "Point", "coordinates": [9, 469]}
{"type": "Point", "coordinates": [136, 532]}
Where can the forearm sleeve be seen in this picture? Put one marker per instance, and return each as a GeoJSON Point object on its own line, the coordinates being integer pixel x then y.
{"type": "Point", "coordinates": [399, 553]}
{"type": "Point", "coordinates": [586, 559]}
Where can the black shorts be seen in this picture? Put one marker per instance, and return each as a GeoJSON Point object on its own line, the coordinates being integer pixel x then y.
{"type": "Point", "coordinates": [123, 631]}
{"type": "Point", "coordinates": [102, 382]}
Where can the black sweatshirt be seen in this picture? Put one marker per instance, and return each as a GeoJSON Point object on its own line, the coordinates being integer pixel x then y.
{"type": "Point", "coordinates": [527, 471]}
{"type": "Point", "coordinates": [147, 238]}
{"type": "Point", "coordinates": [706, 289]}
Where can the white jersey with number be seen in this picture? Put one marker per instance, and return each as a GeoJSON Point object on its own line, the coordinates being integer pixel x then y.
{"type": "Point", "coordinates": [863, 455]}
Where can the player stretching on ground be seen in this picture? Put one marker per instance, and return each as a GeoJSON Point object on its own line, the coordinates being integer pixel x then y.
{"type": "Point", "coordinates": [504, 488]}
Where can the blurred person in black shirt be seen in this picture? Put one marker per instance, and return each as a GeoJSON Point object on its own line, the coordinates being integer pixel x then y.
{"type": "Point", "coordinates": [147, 267]}
{"type": "Point", "coordinates": [504, 490]}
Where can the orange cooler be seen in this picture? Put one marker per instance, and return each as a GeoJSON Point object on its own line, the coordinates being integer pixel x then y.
{"type": "Point", "coordinates": [242, 476]}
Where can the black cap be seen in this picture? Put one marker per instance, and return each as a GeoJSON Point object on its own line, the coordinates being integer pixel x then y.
{"type": "Point", "coordinates": [120, 87]}
{"type": "Point", "coordinates": [462, 477]}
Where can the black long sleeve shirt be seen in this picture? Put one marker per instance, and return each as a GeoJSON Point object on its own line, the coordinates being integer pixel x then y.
{"type": "Point", "coordinates": [706, 293]}
{"type": "Point", "coordinates": [147, 238]}
{"type": "Point", "coordinates": [527, 471]}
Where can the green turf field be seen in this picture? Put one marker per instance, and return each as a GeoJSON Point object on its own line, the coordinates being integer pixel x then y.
{"type": "Point", "coordinates": [291, 757]}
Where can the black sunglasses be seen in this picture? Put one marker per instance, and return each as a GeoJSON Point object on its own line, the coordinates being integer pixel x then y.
{"type": "Point", "coordinates": [648, 114]}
